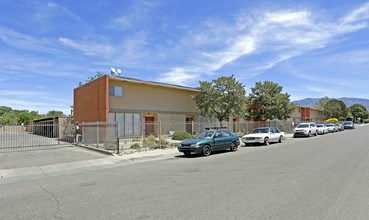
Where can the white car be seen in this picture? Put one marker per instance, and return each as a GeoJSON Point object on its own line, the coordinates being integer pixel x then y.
{"type": "Point", "coordinates": [331, 127]}
{"type": "Point", "coordinates": [264, 135]}
{"type": "Point", "coordinates": [321, 129]}
{"type": "Point", "coordinates": [305, 129]}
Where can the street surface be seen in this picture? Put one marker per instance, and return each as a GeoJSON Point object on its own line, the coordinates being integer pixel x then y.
{"type": "Point", "coordinates": [324, 177]}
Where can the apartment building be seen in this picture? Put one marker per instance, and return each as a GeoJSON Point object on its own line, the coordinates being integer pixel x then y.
{"type": "Point", "coordinates": [136, 102]}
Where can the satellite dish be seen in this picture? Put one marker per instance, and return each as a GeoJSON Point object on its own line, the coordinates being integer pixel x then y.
{"type": "Point", "coordinates": [113, 71]}
{"type": "Point", "coordinates": [119, 71]}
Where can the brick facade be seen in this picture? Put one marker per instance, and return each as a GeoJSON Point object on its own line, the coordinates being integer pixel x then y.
{"type": "Point", "coordinates": [91, 101]}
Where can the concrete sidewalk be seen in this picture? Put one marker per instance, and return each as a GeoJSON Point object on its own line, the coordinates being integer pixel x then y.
{"type": "Point", "coordinates": [18, 166]}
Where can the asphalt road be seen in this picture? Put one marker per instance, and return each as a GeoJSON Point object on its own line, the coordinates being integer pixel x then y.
{"type": "Point", "coordinates": [324, 177]}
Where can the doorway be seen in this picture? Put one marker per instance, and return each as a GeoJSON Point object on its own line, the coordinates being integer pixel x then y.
{"type": "Point", "coordinates": [149, 126]}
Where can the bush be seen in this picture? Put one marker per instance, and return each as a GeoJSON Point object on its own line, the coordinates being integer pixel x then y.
{"type": "Point", "coordinates": [181, 135]}
{"type": "Point", "coordinates": [135, 146]}
{"type": "Point", "coordinates": [163, 141]}
{"type": "Point", "coordinates": [110, 144]}
{"type": "Point", "coordinates": [148, 143]}
{"type": "Point", "coordinates": [281, 126]}
{"type": "Point", "coordinates": [151, 138]}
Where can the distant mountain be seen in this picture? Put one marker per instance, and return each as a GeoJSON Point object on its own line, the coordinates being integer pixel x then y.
{"type": "Point", "coordinates": [309, 102]}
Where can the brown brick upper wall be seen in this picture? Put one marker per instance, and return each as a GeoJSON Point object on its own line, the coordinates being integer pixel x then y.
{"type": "Point", "coordinates": [91, 101]}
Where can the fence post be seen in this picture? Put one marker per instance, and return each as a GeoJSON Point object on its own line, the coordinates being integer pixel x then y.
{"type": "Point", "coordinates": [58, 134]}
{"type": "Point", "coordinates": [83, 132]}
{"type": "Point", "coordinates": [97, 134]}
{"type": "Point", "coordinates": [160, 134]}
{"type": "Point", "coordinates": [117, 124]}
{"type": "Point", "coordinates": [192, 128]}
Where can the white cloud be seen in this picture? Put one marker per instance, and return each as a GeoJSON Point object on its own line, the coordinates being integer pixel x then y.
{"type": "Point", "coordinates": [178, 76]}
{"type": "Point", "coordinates": [359, 14]}
{"type": "Point", "coordinates": [89, 48]}
{"type": "Point", "coordinates": [280, 35]}
{"type": "Point", "coordinates": [135, 13]}
{"type": "Point", "coordinates": [26, 42]}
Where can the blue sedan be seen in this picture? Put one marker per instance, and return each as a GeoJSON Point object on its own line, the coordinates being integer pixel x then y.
{"type": "Point", "coordinates": [208, 141]}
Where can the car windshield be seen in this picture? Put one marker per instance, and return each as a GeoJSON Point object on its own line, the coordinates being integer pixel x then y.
{"type": "Point", "coordinates": [347, 123]}
{"type": "Point", "coordinates": [260, 130]}
{"type": "Point", "coordinates": [319, 126]}
{"type": "Point", "coordinates": [303, 126]}
{"type": "Point", "coordinates": [205, 135]}
{"type": "Point", "coordinates": [330, 125]}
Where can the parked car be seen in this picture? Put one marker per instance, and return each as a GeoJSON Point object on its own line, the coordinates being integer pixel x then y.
{"type": "Point", "coordinates": [264, 135]}
{"type": "Point", "coordinates": [331, 127]}
{"type": "Point", "coordinates": [340, 127]}
{"type": "Point", "coordinates": [305, 129]}
{"type": "Point", "coordinates": [348, 125]}
{"type": "Point", "coordinates": [321, 129]}
{"type": "Point", "coordinates": [335, 128]}
{"type": "Point", "coordinates": [210, 140]}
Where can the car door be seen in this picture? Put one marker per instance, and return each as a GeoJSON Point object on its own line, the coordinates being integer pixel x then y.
{"type": "Point", "coordinates": [227, 139]}
{"type": "Point", "coordinates": [272, 135]}
{"type": "Point", "coordinates": [218, 140]}
{"type": "Point", "coordinates": [276, 135]}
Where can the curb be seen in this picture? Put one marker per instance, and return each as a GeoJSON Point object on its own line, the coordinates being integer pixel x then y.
{"type": "Point", "coordinates": [96, 149]}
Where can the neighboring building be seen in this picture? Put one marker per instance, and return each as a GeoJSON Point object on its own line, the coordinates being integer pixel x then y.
{"type": "Point", "coordinates": [302, 114]}
{"type": "Point", "coordinates": [60, 127]}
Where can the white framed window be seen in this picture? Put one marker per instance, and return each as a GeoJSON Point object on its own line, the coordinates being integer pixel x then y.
{"type": "Point", "coordinates": [115, 90]}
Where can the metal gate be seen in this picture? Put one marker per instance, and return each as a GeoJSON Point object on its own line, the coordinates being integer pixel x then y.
{"type": "Point", "coordinates": [40, 136]}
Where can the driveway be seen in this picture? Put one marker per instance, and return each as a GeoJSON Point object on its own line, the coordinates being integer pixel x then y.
{"type": "Point", "coordinates": [36, 158]}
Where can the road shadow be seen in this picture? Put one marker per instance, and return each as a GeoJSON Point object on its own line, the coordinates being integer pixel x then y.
{"type": "Point", "coordinates": [202, 156]}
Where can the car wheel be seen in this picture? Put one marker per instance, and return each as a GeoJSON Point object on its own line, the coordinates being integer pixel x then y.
{"type": "Point", "coordinates": [187, 154]}
{"type": "Point", "coordinates": [234, 146]}
{"type": "Point", "coordinates": [309, 135]}
{"type": "Point", "coordinates": [206, 150]}
{"type": "Point", "coordinates": [281, 139]}
{"type": "Point", "coordinates": [316, 133]}
{"type": "Point", "coordinates": [266, 141]}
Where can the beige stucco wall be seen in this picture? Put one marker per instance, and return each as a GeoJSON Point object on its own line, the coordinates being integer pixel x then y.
{"type": "Point", "coordinates": [296, 114]}
{"type": "Point", "coordinates": [177, 125]}
{"type": "Point", "coordinates": [315, 114]}
{"type": "Point", "coordinates": [153, 98]}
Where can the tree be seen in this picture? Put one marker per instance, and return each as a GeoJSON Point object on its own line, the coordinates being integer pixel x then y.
{"type": "Point", "coordinates": [268, 102]}
{"type": "Point", "coordinates": [25, 116]}
{"type": "Point", "coordinates": [92, 78]}
{"type": "Point", "coordinates": [8, 118]}
{"type": "Point", "coordinates": [5, 109]}
{"type": "Point", "coordinates": [321, 103]}
{"type": "Point", "coordinates": [335, 109]}
{"type": "Point", "coordinates": [359, 111]}
{"type": "Point", "coordinates": [54, 113]}
{"type": "Point", "coordinates": [223, 97]}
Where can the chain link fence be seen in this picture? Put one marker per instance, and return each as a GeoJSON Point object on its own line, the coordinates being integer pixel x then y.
{"type": "Point", "coordinates": [36, 136]}
{"type": "Point", "coordinates": [128, 138]}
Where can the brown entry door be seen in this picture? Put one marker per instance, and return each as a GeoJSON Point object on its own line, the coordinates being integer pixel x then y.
{"type": "Point", "coordinates": [234, 124]}
{"type": "Point", "coordinates": [189, 125]}
{"type": "Point", "coordinates": [149, 126]}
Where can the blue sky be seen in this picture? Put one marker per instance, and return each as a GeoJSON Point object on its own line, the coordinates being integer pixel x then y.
{"type": "Point", "coordinates": [311, 48]}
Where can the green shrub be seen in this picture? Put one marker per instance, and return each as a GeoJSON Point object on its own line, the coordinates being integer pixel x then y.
{"type": "Point", "coordinates": [281, 126]}
{"type": "Point", "coordinates": [148, 143]}
{"type": "Point", "coordinates": [110, 144]}
{"type": "Point", "coordinates": [151, 138]}
{"type": "Point", "coordinates": [135, 146]}
{"type": "Point", "coordinates": [163, 141]}
{"type": "Point", "coordinates": [181, 135]}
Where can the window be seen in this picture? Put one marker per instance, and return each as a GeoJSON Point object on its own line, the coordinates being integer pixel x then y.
{"type": "Point", "coordinates": [129, 124]}
{"type": "Point", "coordinates": [115, 91]}
{"type": "Point", "coordinates": [299, 110]}
{"type": "Point", "coordinates": [225, 134]}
